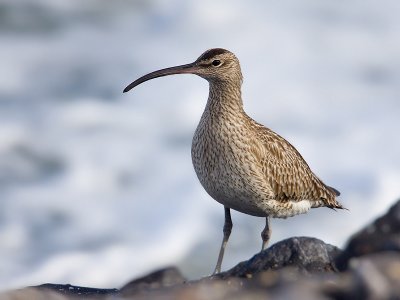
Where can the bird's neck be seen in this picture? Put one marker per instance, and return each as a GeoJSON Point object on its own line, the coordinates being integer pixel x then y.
{"type": "Point", "coordinates": [225, 97]}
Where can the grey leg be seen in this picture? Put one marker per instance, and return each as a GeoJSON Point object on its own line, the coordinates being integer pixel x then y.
{"type": "Point", "coordinates": [266, 234]}
{"type": "Point", "coordinates": [227, 233]}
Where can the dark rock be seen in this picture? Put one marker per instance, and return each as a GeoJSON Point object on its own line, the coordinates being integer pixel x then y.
{"type": "Point", "coordinates": [307, 255]}
{"type": "Point", "coordinates": [296, 268]}
{"type": "Point", "coordinates": [381, 235]}
{"type": "Point", "coordinates": [68, 289]}
{"type": "Point", "coordinates": [210, 289]}
{"type": "Point", "coordinates": [377, 275]}
{"type": "Point", "coordinates": [160, 279]}
{"type": "Point", "coordinates": [373, 276]}
{"type": "Point", "coordinates": [289, 283]}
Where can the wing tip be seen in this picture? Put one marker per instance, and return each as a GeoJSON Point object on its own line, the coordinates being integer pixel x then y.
{"type": "Point", "coordinates": [332, 189]}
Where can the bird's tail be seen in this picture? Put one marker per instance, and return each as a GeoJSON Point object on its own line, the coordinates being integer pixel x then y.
{"type": "Point", "coordinates": [336, 205]}
{"type": "Point", "coordinates": [332, 203]}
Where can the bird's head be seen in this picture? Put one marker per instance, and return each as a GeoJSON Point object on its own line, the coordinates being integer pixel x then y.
{"type": "Point", "coordinates": [215, 65]}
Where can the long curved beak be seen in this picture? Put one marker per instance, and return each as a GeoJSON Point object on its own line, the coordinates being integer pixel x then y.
{"type": "Point", "coordinates": [184, 69]}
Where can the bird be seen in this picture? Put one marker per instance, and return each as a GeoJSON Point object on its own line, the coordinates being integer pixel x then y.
{"type": "Point", "coordinates": [242, 164]}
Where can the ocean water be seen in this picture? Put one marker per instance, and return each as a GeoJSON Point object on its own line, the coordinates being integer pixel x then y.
{"type": "Point", "coordinates": [97, 186]}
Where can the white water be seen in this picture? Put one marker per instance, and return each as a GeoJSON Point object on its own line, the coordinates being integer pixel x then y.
{"type": "Point", "coordinates": [97, 187]}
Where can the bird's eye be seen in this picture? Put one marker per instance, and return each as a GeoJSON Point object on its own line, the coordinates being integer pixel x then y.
{"type": "Point", "coordinates": [216, 63]}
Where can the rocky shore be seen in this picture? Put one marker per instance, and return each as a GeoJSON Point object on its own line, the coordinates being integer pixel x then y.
{"type": "Point", "coordinates": [296, 268]}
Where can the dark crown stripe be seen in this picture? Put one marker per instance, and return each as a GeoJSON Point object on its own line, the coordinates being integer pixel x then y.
{"type": "Point", "coordinates": [212, 52]}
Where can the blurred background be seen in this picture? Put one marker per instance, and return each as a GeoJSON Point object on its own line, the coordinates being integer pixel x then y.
{"type": "Point", "coordinates": [97, 186]}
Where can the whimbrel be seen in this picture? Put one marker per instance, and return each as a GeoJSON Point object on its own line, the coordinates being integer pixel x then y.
{"type": "Point", "coordinates": [239, 162]}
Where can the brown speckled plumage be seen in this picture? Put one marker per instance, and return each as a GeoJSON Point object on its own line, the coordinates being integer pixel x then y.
{"type": "Point", "coordinates": [240, 163]}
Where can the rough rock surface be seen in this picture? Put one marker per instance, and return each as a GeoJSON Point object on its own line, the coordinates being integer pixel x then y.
{"type": "Point", "coordinates": [381, 235]}
{"type": "Point", "coordinates": [154, 281]}
{"type": "Point", "coordinates": [296, 268]}
{"type": "Point", "coordinates": [306, 255]}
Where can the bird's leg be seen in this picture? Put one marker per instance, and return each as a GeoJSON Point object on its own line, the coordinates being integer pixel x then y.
{"type": "Point", "coordinates": [227, 233]}
{"type": "Point", "coordinates": [265, 234]}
